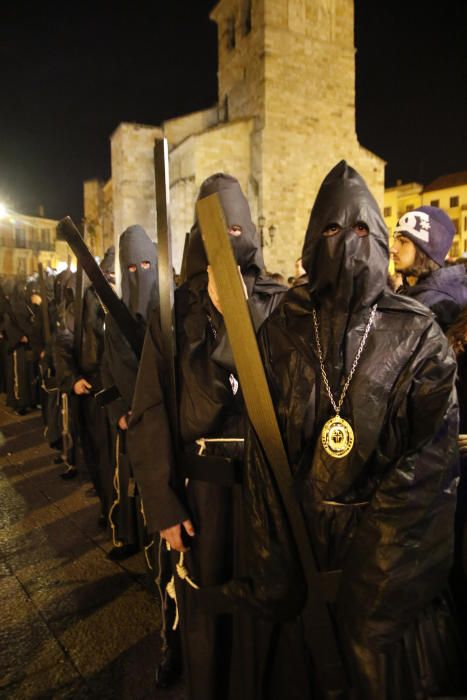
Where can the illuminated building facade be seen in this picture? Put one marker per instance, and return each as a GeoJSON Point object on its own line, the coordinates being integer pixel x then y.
{"type": "Point", "coordinates": [27, 240]}
{"type": "Point", "coordinates": [449, 192]}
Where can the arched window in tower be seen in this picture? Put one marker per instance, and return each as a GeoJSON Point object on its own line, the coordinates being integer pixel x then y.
{"type": "Point", "coordinates": [246, 17]}
{"type": "Point", "coordinates": [230, 33]}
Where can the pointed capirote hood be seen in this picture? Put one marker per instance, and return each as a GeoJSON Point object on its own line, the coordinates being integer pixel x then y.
{"type": "Point", "coordinates": [346, 272]}
{"type": "Point", "coordinates": [246, 247]}
{"type": "Point", "coordinates": [60, 282]}
{"type": "Point", "coordinates": [107, 264]}
{"type": "Point", "coordinates": [139, 288]}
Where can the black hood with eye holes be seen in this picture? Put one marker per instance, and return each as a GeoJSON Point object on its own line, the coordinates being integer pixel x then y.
{"type": "Point", "coordinates": [346, 272]}
{"type": "Point", "coordinates": [139, 288]}
{"type": "Point", "coordinates": [107, 264]}
{"type": "Point", "coordinates": [60, 282]}
{"type": "Point", "coordinates": [246, 247]}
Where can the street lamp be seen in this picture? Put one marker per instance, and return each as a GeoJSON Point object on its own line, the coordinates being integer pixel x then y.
{"type": "Point", "coordinates": [272, 233]}
{"type": "Point", "coordinates": [3, 211]}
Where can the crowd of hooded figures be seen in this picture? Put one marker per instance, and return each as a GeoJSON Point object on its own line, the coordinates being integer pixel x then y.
{"type": "Point", "coordinates": [367, 372]}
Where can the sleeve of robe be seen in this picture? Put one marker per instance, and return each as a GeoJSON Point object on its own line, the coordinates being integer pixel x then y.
{"type": "Point", "coordinates": [66, 367]}
{"type": "Point", "coordinates": [118, 408]}
{"type": "Point", "coordinates": [13, 331]}
{"type": "Point", "coordinates": [402, 551]}
{"type": "Point", "coordinates": [150, 439]}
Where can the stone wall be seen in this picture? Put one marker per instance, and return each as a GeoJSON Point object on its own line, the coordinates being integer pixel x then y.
{"type": "Point", "coordinates": [285, 117]}
{"type": "Point", "coordinates": [133, 188]}
{"type": "Point", "coordinates": [225, 148]}
{"type": "Point", "coordinates": [98, 215]}
{"type": "Point", "coordinates": [294, 71]}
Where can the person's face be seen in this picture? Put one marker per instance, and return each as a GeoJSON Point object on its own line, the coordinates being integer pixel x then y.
{"type": "Point", "coordinates": [403, 252]}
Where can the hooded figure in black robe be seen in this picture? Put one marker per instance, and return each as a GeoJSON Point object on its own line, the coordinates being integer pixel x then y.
{"type": "Point", "coordinates": [55, 291]}
{"type": "Point", "coordinates": [78, 374]}
{"type": "Point", "coordinates": [4, 304]}
{"type": "Point", "coordinates": [209, 449]}
{"type": "Point", "coordinates": [22, 328]}
{"type": "Point", "coordinates": [383, 515]}
{"type": "Point", "coordinates": [138, 265]}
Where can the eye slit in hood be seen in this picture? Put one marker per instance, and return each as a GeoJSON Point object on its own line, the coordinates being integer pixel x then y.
{"type": "Point", "coordinates": [246, 246]}
{"type": "Point", "coordinates": [139, 285]}
{"type": "Point", "coordinates": [349, 270]}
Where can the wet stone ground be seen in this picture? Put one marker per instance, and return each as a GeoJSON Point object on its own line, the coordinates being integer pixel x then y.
{"type": "Point", "coordinates": [73, 624]}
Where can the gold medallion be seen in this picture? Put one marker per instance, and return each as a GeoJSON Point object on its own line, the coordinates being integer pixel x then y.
{"type": "Point", "coordinates": [337, 437]}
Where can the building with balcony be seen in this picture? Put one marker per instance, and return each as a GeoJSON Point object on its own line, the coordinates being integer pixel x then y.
{"type": "Point", "coordinates": [27, 240]}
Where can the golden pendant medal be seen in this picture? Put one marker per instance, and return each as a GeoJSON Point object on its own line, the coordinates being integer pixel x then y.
{"type": "Point", "coordinates": [337, 436]}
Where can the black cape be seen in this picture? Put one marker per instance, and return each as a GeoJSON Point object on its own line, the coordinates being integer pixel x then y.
{"type": "Point", "coordinates": [210, 405]}
{"type": "Point", "coordinates": [383, 514]}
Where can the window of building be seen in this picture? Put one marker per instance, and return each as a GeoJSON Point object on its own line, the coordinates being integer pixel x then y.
{"type": "Point", "coordinates": [454, 201]}
{"type": "Point", "coordinates": [465, 246]}
{"type": "Point", "coordinates": [45, 237]}
{"type": "Point", "coordinates": [230, 33]}
{"type": "Point", "coordinates": [434, 203]}
{"type": "Point", "coordinates": [20, 235]}
{"type": "Point", "coordinates": [456, 224]}
{"type": "Point", "coordinates": [246, 17]}
{"type": "Point", "coordinates": [21, 266]}
{"type": "Point", "coordinates": [409, 207]}
{"type": "Point", "coordinates": [387, 211]}
{"type": "Point", "coordinates": [455, 250]}
{"type": "Point", "coordinates": [465, 223]}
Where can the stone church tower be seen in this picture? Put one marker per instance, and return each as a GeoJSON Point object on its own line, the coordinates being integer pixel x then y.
{"type": "Point", "coordinates": [285, 117]}
{"type": "Point", "coordinates": [295, 71]}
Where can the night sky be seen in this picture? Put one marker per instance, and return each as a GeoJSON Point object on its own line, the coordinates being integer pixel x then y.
{"type": "Point", "coordinates": [68, 77]}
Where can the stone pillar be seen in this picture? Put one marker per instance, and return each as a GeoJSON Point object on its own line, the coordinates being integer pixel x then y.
{"type": "Point", "coordinates": [133, 188]}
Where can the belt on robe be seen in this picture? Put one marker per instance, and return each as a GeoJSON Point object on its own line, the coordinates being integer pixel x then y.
{"type": "Point", "coordinates": [223, 471]}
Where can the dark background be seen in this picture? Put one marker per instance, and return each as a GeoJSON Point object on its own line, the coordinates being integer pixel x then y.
{"type": "Point", "coordinates": [69, 76]}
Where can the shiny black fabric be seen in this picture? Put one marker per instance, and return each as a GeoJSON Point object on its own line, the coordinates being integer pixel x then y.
{"type": "Point", "coordinates": [107, 264]}
{"type": "Point", "coordinates": [246, 247]}
{"type": "Point", "coordinates": [120, 367]}
{"type": "Point", "coordinates": [208, 408]}
{"type": "Point", "coordinates": [138, 287]}
{"type": "Point", "coordinates": [384, 514]}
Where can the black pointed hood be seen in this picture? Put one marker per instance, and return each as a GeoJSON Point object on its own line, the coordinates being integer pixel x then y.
{"type": "Point", "coordinates": [139, 288]}
{"type": "Point", "coordinates": [107, 264]}
{"type": "Point", "coordinates": [60, 282]}
{"type": "Point", "coordinates": [246, 247]}
{"type": "Point", "coordinates": [346, 272]}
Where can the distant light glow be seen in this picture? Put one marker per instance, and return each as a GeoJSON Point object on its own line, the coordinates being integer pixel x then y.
{"type": "Point", "coordinates": [3, 211]}
{"type": "Point", "coordinates": [61, 265]}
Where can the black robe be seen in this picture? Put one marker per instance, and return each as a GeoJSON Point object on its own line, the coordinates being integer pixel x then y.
{"type": "Point", "coordinates": [384, 514]}
{"type": "Point", "coordinates": [210, 406]}
{"type": "Point", "coordinates": [138, 265]}
{"type": "Point", "coordinates": [22, 376]}
{"type": "Point", "coordinates": [88, 426]}
{"type": "Point", "coordinates": [119, 368]}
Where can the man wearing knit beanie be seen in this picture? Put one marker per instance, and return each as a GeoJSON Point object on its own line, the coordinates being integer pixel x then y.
{"type": "Point", "coordinates": [422, 239]}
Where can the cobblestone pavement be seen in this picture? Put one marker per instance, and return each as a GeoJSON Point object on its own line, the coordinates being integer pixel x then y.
{"type": "Point", "coordinates": [73, 624]}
